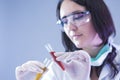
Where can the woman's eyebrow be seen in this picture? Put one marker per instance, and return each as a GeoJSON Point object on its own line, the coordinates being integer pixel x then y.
{"type": "Point", "coordinates": [74, 12]}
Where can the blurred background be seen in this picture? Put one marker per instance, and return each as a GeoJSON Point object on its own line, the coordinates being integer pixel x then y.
{"type": "Point", "coordinates": [27, 25]}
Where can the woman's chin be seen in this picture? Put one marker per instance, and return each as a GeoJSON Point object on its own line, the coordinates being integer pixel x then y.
{"type": "Point", "coordinates": [77, 44]}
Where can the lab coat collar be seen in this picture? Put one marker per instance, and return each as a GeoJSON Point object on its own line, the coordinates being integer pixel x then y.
{"type": "Point", "coordinates": [105, 72]}
{"type": "Point", "coordinates": [99, 59]}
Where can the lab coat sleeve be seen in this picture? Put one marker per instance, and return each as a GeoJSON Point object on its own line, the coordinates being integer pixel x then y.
{"type": "Point", "coordinates": [117, 61]}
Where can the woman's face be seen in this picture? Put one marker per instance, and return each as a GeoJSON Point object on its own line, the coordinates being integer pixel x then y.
{"type": "Point", "coordinates": [83, 36]}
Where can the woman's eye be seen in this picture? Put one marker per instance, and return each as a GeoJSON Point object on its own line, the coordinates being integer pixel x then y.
{"type": "Point", "coordinates": [78, 16]}
{"type": "Point", "coordinates": [64, 21]}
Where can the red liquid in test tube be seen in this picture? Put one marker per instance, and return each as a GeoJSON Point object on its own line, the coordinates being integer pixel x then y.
{"type": "Point", "coordinates": [50, 50]}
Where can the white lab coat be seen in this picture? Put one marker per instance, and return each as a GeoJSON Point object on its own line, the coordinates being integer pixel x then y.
{"type": "Point", "coordinates": [56, 73]}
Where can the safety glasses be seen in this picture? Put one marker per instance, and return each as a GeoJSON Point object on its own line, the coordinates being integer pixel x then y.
{"type": "Point", "coordinates": [76, 18]}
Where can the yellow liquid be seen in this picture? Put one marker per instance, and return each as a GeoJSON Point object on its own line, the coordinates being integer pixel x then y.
{"type": "Point", "coordinates": [39, 75]}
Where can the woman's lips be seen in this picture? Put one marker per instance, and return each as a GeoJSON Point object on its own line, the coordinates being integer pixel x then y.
{"type": "Point", "coordinates": [76, 37]}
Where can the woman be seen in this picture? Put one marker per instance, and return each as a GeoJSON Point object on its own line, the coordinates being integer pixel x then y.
{"type": "Point", "coordinates": [87, 35]}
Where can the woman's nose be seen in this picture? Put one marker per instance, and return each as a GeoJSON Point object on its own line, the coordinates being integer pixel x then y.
{"type": "Point", "coordinates": [71, 26]}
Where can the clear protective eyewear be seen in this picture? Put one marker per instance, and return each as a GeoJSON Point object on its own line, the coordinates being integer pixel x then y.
{"type": "Point", "coordinates": [76, 18]}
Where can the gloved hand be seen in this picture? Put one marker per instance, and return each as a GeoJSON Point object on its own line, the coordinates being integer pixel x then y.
{"type": "Point", "coordinates": [29, 70]}
{"type": "Point", "coordinates": [77, 64]}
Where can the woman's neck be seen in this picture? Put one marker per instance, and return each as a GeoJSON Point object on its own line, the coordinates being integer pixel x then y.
{"type": "Point", "coordinates": [93, 50]}
{"type": "Point", "coordinates": [94, 74]}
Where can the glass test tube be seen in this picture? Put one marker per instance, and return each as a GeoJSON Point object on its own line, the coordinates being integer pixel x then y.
{"type": "Point", "coordinates": [51, 51]}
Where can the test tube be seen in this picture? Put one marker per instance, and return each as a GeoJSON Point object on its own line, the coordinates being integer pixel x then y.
{"type": "Point", "coordinates": [39, 75]}
{"type": "Point", "coordinates": [51, 51]}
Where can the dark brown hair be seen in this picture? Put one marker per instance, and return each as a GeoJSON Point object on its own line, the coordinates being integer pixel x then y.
{"type": "Point", "coordinates": [103, 24]}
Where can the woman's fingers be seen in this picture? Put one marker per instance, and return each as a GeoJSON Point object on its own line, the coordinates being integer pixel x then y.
{"type": "Point", "coordinates": [79, 55]}
{"type": "Point", "coordinates": [85, 56]}
{"type": "Point", "coordinates": [37, 63]}
{"type": "Point", "coordinates": [62, 56]}
{"type": "Point", "coordinates": [33, 66]}
{"type": "Point", "coordinates": [57, 54]}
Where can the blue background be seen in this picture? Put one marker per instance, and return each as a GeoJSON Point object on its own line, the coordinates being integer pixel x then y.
{"type": "Point", "coordinates": [27, 25]}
